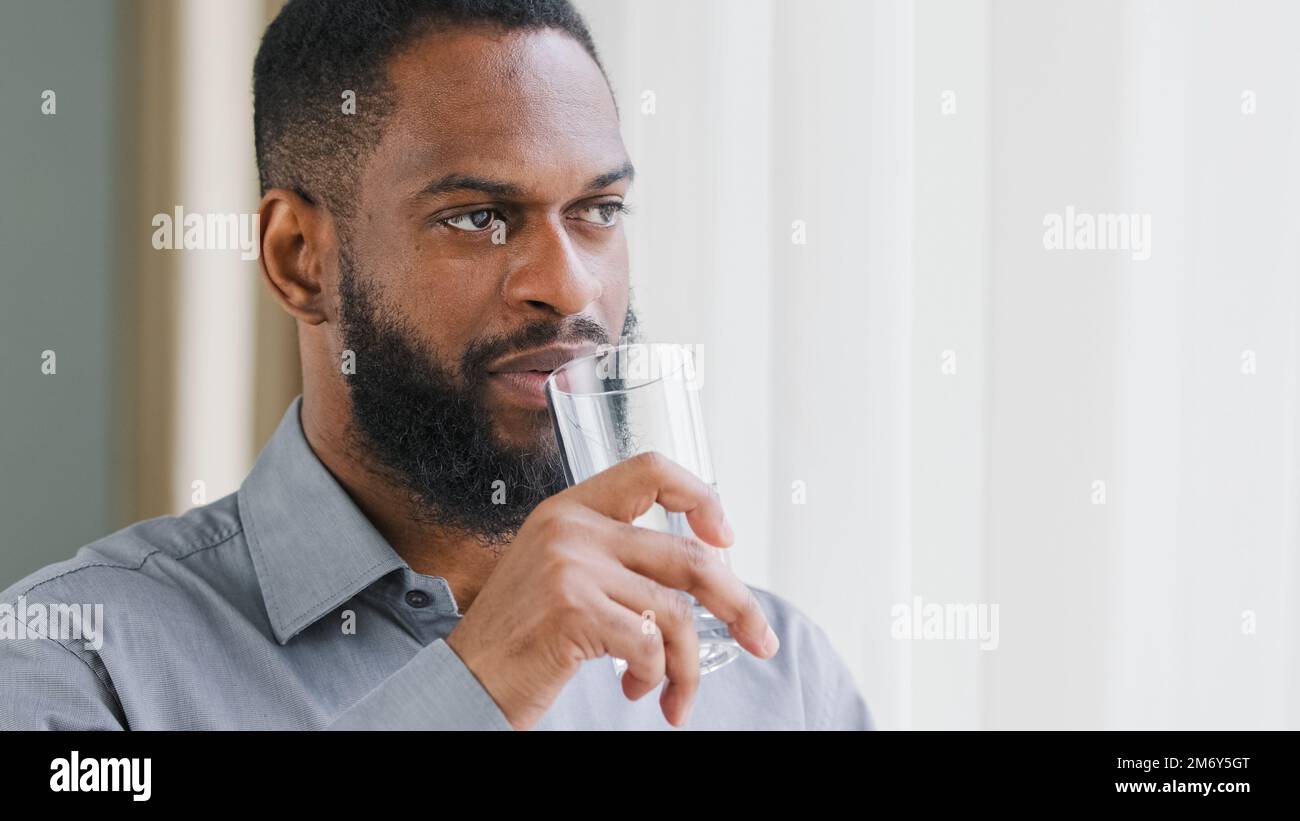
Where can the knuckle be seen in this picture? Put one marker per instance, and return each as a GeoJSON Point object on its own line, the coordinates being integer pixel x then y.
{"type": "Point", "coordinates": [554, 553]}
{"type": "Point", "coordinates": [567, 583]}
{"type": "Point", "coordinates": [544, 508]}
{"type": "Point", "coordinates": [568, 602]}
{"type": "Point", "coordinates": [547, 520]}
{"type": "Point", "coordinates": [559, 574]}
{"type": "Point", "coordinates": [694, 554]}
{"type": "Point", "coordinates": [653, 592]}
{"type": "Point", "coordinates": [680, 608]}
{"type": "Point", "coordinates": [651, 461]}
{"type": "Point", "coordinates": [672, 608]}
{"type": "Point", "coordinates": [563, 532]}
{"type": "Point", "coordinates": [550, 507]}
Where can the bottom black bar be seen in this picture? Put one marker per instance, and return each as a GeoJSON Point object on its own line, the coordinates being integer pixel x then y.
{"type": "Point", "coordinates": [303, 770]}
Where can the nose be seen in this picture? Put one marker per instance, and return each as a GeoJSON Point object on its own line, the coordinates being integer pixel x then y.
{"type": "Point", "coordinates": [548, 273]}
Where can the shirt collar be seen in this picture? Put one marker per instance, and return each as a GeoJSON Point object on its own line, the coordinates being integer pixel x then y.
{"type": "Point", "coordinates": [312, 548]}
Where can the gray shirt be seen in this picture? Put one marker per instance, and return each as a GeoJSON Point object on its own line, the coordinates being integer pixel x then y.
{"type": "Point", "coordinates": [281, 607]}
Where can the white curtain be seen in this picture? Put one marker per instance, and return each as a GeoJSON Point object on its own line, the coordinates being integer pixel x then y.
{"type": "Point", "coordinates": [218, 357]}
{"type": "Point", "coordinates": [771, 226]}
{"type": "Point", "coordinates": [1101, 446]}
{"type": "Point", "coordinates": [214, 357]}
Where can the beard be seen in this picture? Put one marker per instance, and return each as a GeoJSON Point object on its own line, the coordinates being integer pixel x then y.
{"type": "Point", "coordinates": [428, 429]}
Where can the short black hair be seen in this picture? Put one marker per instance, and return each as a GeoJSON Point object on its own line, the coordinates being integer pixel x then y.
{"type": "Point", "coordinates": [315, 50]}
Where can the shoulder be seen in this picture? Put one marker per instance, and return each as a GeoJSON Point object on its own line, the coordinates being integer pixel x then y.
{"type": "Point", "coordinates": [827, 686]}
{"type": "Point", "coordinates": [805, 640]}
{"type": "Point", "coordinates": [122, 561]}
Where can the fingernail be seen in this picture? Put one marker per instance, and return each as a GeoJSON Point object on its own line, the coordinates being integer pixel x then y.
{"type": "Point", "coordinates": [727, 532]}
{"type": "Point", "coordinates": [771, 642]}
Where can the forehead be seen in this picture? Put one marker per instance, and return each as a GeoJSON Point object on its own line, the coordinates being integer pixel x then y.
{"type": "Point", "coordinates": [484, 101]}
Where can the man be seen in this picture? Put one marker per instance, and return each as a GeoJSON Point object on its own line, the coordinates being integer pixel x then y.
{"type": "Point", "coordinates": [442, 246]}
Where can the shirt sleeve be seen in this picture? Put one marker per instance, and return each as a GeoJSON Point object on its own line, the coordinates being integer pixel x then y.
{"type": "Point", "coordinates": [44, 685]}
{"type": "Point", "coordinates": [432, 691]}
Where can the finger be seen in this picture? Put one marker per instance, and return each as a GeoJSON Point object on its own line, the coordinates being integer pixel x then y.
{"type": "Point", "coordinates": [671, 613]}
{"type": "Point", "coordinates": [621, 637]}
{"type": "Point", "coordinates": [628, 489]}
{"type": "Point", "coordinates": [686, 563]}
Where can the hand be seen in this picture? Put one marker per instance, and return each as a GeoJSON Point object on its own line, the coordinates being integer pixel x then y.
{"type": "Point", "coordinates": [574, 583]}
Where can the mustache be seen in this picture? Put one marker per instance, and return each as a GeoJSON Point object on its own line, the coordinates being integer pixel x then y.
{"type": "Point", "coordinates": [482, 352]}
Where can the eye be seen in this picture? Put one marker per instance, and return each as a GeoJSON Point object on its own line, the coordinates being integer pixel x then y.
{"type": "Point", "coordinates": [603, 214]}
{"type": "Point", "coordinates": [474, 221]}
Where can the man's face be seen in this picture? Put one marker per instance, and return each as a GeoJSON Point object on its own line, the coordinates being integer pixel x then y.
{"type": "Point", "coordinates": [487, 227]}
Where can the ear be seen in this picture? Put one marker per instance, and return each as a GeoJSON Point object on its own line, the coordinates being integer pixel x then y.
{"type": "Point", "coordinates": [297, 239]}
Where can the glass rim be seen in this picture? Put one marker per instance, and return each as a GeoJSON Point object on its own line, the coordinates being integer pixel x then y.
{"type": "Point", "coordinates": [604, 350]}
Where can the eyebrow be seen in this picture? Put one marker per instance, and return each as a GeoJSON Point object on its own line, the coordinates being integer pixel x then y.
{"type": "Point", "coordinates": [497, 188]}
{"type": "Point", "coordinates": [624, 172]}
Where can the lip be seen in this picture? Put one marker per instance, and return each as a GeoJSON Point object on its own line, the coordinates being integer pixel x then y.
{"type": "Point", "coordinates": [526, 388]}
{"type": "Point", "coordinates": [543, 359]}
{"type": "Point", "coordinates": [523, 377]}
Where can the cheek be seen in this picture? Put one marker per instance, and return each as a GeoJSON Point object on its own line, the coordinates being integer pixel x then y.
{"type": "Point", "coordinates": [613, 302]}
{"type": "Point", "coordinates": [448, 301]}
{"type": "Point", "coordinates": [614, 297]}
{"type": "Point", "coordinates": [439, 294]}
{"type": "Point", "coordinates": [609, 264]}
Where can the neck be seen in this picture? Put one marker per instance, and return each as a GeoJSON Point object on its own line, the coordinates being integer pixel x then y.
{"type": "Point", "coordinates": [427, 547]}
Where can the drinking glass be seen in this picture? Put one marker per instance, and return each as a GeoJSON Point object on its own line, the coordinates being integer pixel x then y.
{"type": "Point", "coordinates": [627, 399]}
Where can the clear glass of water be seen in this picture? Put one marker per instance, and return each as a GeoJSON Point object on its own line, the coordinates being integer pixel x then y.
{"type": "Point", "coordinates": [627, 399]}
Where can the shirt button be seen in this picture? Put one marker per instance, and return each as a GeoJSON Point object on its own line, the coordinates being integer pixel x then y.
{"type": "Point", "coordinates": [418, 598]}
